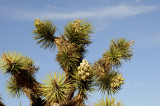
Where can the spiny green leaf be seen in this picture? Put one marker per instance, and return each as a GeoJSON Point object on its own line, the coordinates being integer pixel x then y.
{"type": "Point", "coordinates": [104, 82]}
{"type": "Point", "coordinates": [44, 33]}
{"type": "Point", "coordinates": [13, 88]}
{"type": "Point", "coordinates": [54, 88]}
{"type": "Point", "coordinates": [108, 102]}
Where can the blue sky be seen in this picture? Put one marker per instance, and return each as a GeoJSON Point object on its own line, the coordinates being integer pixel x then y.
{"type": "Point", "coordinates": [133, 19]}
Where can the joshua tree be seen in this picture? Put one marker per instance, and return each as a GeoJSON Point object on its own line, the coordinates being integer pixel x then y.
{"type": "Point", "coordinates": [71, 46]}
{"type": "Point", "coordinates": [72, 87]}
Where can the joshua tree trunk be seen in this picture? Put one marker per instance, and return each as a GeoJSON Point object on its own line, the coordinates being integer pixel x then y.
{"type": "Point", "coordinates": [35, 100]}
{"type": "Point", "coordinates": [63, 44]}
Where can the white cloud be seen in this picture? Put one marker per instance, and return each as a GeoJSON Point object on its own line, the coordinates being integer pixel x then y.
{"type": "Point", "coordinates": [118, 11]}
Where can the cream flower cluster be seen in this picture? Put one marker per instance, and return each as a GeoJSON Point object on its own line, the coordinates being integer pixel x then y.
{"type": "Point", "coordinates": [84, 70]}
{"type": "Point", "coordinates": [76, 24]}
{"type": "Point", "coordinates": [38, 23]}
{"type": "Point", "coordinates": [117, 81]}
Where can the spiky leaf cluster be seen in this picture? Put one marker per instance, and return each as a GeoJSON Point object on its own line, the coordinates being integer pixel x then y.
{"type": "Point", "coordinates": [11, 62]}
{"type": "Point", "coordinates": [15, 63]}
{"type": "Point", "coordinates": [124, 47]}
{"type": "Point", "coordinates": [68, 58]}
{"type": "Point", "coordinates": [14, 89]}
{"type": "Point", "coordinates": [113, 56]}
{"type": "Point", "coordinates": [111, 82]}
{"type": "Point", "coordinates": [78, 32]}
{"type": "Point", "coordinates": [84, 82]}
{"type": "Point", "coordinates": [119, 50]}
{"type": "Point", "coordinates": [108, 102]}
{"type": "Point", "coordinates": [22, 70]}
{"type": "Point", "coordinates": [54, 88]}
{"type": "Point", "coordinates": [84, 86]}
{"type": "Point", "coordinates": [44, 33]}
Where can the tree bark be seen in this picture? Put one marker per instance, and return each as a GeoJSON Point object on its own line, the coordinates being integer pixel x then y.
{"type": "Point", "coordinates": [35, 100]}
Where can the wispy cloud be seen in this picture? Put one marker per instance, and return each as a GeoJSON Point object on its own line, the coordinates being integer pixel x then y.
{"type": "Point", "coordinates": [138, 0]}
{"type": "Point", "coordinates": [118, 11]}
